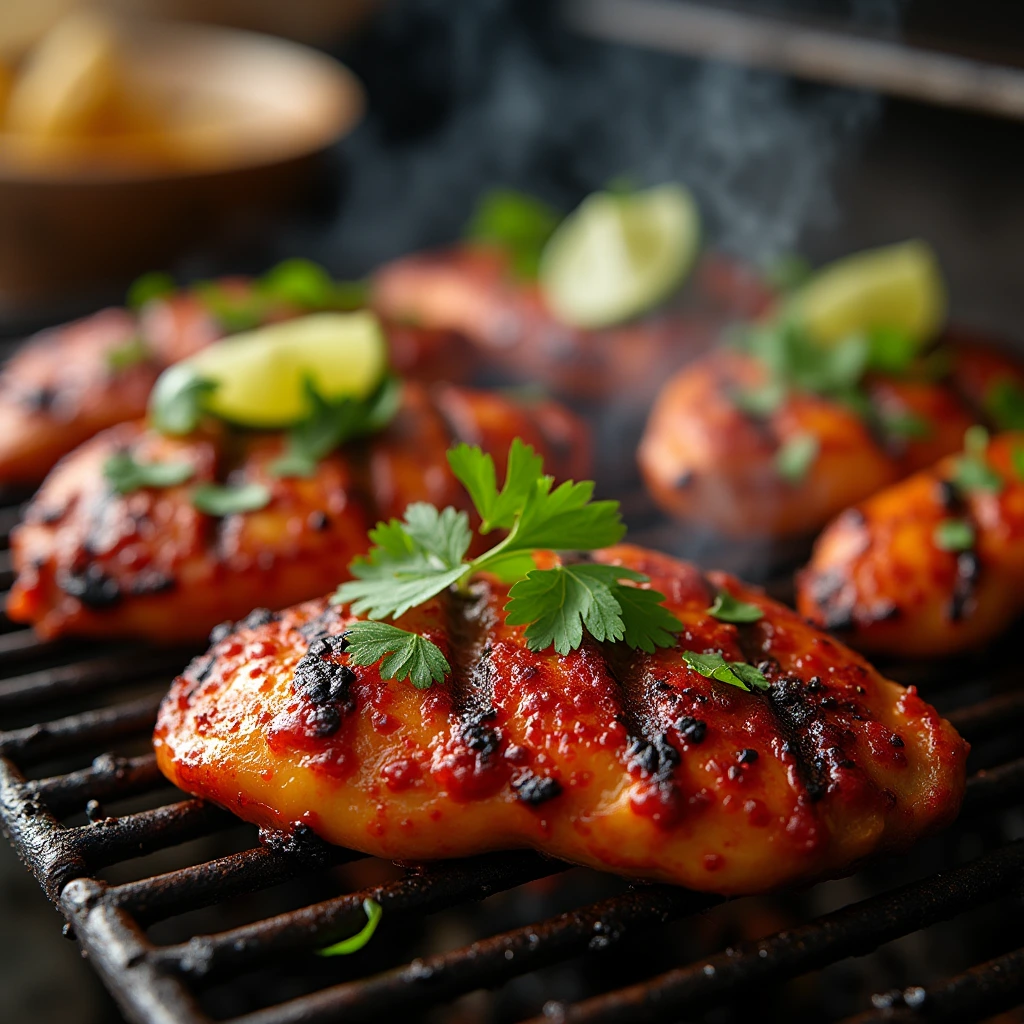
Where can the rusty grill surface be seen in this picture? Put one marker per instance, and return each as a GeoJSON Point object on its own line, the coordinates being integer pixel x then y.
{"type": "Point", "coordinates": [81, 799]}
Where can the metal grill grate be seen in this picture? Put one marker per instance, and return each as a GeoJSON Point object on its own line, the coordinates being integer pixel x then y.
{"type": "Point", "coordinates": [108, 698]}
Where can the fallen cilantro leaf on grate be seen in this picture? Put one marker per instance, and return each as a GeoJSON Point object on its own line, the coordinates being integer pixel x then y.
{"type": "Point", "coordinates": [346, 947]}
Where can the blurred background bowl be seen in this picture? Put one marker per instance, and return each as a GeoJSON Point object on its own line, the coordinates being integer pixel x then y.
{"type": "Point", "coordinates": [245, 118]}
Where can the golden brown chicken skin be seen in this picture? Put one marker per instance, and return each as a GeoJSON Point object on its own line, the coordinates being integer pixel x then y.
{"type": "Point", "coordinates": [66, 384]}
{"type": "Point", "coordinates": [470, 290]}
{"type": "Point", "coordinates": [626, 762]}
{"type": "Point", "coordinates": [708, 461]}
{"type": "Point", "coordinates": [93, 562]}
{"type": "Point", "coordinates": [879, 575]}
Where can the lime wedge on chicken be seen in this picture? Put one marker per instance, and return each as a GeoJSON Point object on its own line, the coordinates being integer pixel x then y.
{"type": "Point", "coordinates": [259, 378]}
{"type": "Point", "coordinates": [898, 286]}
{"type": "Point", "coordinates": [617, 256]}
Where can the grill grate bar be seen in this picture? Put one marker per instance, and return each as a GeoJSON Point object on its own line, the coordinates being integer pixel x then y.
{"type": "Point", "coordinates": [994, 787]}
{"type": "Point", "coordinates": [992, 717]}
{"type": "Point", "coordinates": [423, 891]}
{"type": "Point", "coordinates": [175, 892]}
{"type": "Point", "coordinates": [490, 962]}
{"type": "Point", "coordinates": [23, 645]}
{"type": "Point", "coordinates": [35, 743]}
{"type": "Point", "coordinates": [852, 931]}
{"type": "Point", "coordinates": [977, 994]}
{"type": "Point", "coordinates": [108, 777]}
{"type": "Point", "coordinates": [85, 677]}
{"type": "Point", "coordinates": [111, 840]}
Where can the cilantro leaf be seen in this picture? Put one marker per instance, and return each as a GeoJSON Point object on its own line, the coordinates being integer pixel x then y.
{"type": "Point", "coordinates": [557, 604]}
{"type": "Point", "coordinates": [736, 673]}
{"type": "Point", "coordinates": [795, 457]}
{"type": "Point", "coordinates": [565, 518]}
{"type": "Point", "coordinates": [178, 400]}
{"type": "Point", "coordinates": [125, 474]}
{"type": "Point", "coordinates": [954, 535]}
{"type": "Point", "coordinates": [474, 469]}
{"type": "Point", "coordinates": [727, 608]}
{"type": "Point", "coordinates": [763, 401]}
{"type": "Point", "coordinates": [445, 535]}
{"type": "Point", "coordinates": [235, 312]}
{"type": "Point", "coordinates": [518, 224]}
{"type": "Point", "coordinates": [648, 623]}
{"type": "Point", "coordinates": [228, 500]}
{"type": "Point", "coordinates": [298, 282]}
{"type": "Point", "coordinates": [908, 425]}
{"type": "Point", "coordinates": [332, 423]}
{"type": "Point", "coordinates": [154, 285]}
{"type": "Point", "coordinates": [131, 353]}
{"type": "Point", "coordinates": [373, 912]}
{"type": "Point", "coordinates": [891, 350]}
{"type": "Point", "coordinates": [1005, 404]}
{"type": "Point", "coordinates": [402, 655]}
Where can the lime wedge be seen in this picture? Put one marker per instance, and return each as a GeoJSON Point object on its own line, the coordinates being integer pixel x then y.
{"type": "Point", "coordinates": [898, 287]}
{"type": "Point", "coordinates": [258, 378]}
{"type": "Point", "coordinates": [617, 255]}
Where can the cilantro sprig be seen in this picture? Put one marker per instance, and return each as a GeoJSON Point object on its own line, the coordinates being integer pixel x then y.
{"type": "Point", "coordinates": [517, 223]}
{"type": "Point", "coordinates": [415, 559]}
{"type": "Point", "coordinates": [126, 474]}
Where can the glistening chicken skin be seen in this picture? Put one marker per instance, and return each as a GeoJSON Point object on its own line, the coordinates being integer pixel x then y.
{"type": "Point", "coordinates": [627, 762]}
{"type": "Point", "coordinates": [92, 562]}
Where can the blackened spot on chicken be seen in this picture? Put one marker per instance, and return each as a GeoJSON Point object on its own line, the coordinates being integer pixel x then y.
{"type": "Point", "coordinates": [46, 516]}
{"type": "Point", "coordinates": [256, 618]}
{"type": "Point", "coordinates": [654, 759]}
{"type": "Point", "coordinates": [324, 720]}
{"type": "Point", "coordinates": [536, 789]}
{"type": "Point", "coordinates": [151, 581]}
{"type": "Point", "coordinates": [324, 682]}
{"type": "Point", "coordinates": [746, 756]}
{"type": "Point", "coordinates": [683, 479]}
{"type": "Point", "coordinates": [949, 495]}
{"type": "Point", "coordinates": [693, 730]}
{"type": "Point", "coordinates": [663, 686]}
{"type": "Point", "coordinates": [93, 587]}
{"type": "Point", "coordinates": [896, 741]}
{"type": "Point", "coordinates": [41, 399]}
{"type": "Point", "coordinates": [317, 521]}
{"type": "Point", "coordinates": [796, 714]}
{"type": "Point", "coordinates": [221, 632]}
{"type": "Point", "coordinates": [479, 736]}
{"type": "Point", "coordinates": [815, 685]}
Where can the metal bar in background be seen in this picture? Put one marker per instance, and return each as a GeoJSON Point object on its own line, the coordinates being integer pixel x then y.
{"type": "Point", "coordinates": [820, 54]}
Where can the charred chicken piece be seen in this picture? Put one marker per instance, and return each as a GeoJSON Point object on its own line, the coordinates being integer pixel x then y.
{"type": "Point", "coordinates": [471, 290]}
{"type": "Point", "coordinates": [929, 567]}
{"type": "Point", "coordinates": [709, 460]}
{"type": "Point", "coordinates": [627, 762]}
{"type": "Point", "coordinates": [66, 384]}
{"type": "Point", "coordinates": [148, 563]}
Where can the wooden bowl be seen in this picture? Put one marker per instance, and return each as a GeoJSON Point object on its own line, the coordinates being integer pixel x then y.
{"type": "Point", "coordinates": [248, 116]}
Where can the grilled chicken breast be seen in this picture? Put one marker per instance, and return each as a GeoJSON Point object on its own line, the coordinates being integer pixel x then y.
{"type": "Point", "coordinates": [66, 384]}
{"type": "Point", "coordinates": [879, 575]}
{"type": "Point", "coordinates": [471, 291]}
{"type": "Point", "coordinates": [708, 461]}
{"type": "Point", "coordinates": [623, 761]}
{"type": "Point", "coordinates": [90, 561]}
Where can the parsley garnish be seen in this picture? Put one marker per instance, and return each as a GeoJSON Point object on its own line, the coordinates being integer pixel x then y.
{"type": "Point", "coordinates": [308, 286]}
{"type": "Point", "coordinates": [1005, 404]}
{"type": "Point", "coordinates": [417, 558]}
{"type": "Point", "coordinates": [402, 655]}
{"type": "Point", "coordinates": [954, 535]}
{"type": "Point", "coordinates": [226, 500]}
{"type": "Point", "coordinates": [127, 355]}
{"type": "Point", "coordinates": [517, 223]}
{"type": "Point", "coordinates": [972, 472]}
{"type": "Point", "coordinates": [795, 457]}
{"type": "Point", "coordinates": [727, 608]}
{"type": "Point", "coordinates": [332, 423]}
{"type": "Point", "coordinates": [154, 285]}
{"type": "Point", "coordinates": [373, 912]}
{"type": "Point", "coordinates": [735, 673]}
{"type": "Point", "coordinates": [125, 474]}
